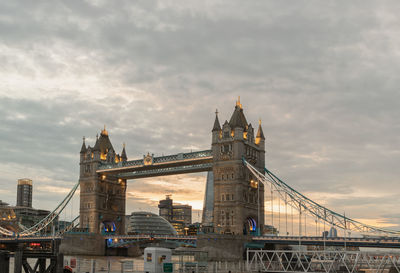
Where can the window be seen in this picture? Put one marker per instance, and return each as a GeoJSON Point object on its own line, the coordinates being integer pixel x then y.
{"type": "Point", "coordinates": [226, 148]}
{"type": "Point", "coordinates": [232, 197]}
{"type": "Point", "coordinates": [227, 197]}
{"type": "Point", "coordinates": [226, 134]}
{"type": "Point", "coordinates": [222, 198]}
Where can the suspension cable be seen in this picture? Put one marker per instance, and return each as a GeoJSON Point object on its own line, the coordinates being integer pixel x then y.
{"type": "Point", "coordinates": [299, 200]}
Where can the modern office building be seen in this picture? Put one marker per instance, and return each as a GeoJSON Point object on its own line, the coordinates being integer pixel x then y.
{"type": "Point", "coordinates": [182, 213]}
{"type": "Point", "coordinates": [143, 222]}
{"type": "Point", "coordinates": [178, 215]}
{"type": "Point", "coordinates": [23, 214]}
{"type": "Point", "coordinates": [29, 216]}
{"type": "Point", "coordinates": [24, 193]}
{"type": "Point", "coordinates": [175, 212]}
{"type": "Point", "coordinates": [165, 208]}
{"type": "Point", "coordinates": [208, 205]}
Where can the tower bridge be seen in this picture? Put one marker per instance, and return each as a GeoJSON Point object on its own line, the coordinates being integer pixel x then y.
{"type": "Point", "coordinates": [238, 206]}
{"type": "Point", "coordinates": [237, 180]}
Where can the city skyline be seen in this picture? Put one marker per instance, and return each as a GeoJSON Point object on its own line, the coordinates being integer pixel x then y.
{"type": "Point", "coordinates": [321, 77]}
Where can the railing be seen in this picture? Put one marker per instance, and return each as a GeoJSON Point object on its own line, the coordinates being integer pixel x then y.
{"type": "Point", "coordinates": [165, 171]}
{"type": "Point", "coordinates": [159, 159]}
{"type": "Point", "coordinates": [180, 263]}
{"type": "Point", "coordinates": [320, 261]}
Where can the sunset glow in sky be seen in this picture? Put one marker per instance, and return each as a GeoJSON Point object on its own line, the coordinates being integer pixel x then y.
{"type": "Point", "coordinates": [323, 76]}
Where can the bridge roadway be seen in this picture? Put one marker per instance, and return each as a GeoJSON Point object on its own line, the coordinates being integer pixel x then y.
{"type": "Point", "coordinates": [379, 242]}
{"type": "Point", "coordinates": [28, 239]}
{"type": "Point", "coordinates": [163, 165]}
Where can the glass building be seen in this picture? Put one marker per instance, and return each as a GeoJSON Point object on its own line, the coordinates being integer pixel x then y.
{"type": "Point", "coordinates": [143, 222]}
{"type": "Point", "coordinates": [24, 193]}
{"type": "Point", "coordinates": [208, 205]}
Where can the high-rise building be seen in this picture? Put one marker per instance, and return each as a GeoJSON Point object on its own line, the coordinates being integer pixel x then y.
{"type": "Point", "coordinates": [208, 205]}
{"type": "Point", "coordinates": [182, 213]}
{"type": "Point", "coordinates": [180, 216]}
{"type": "Point", "coordinates": [165, 208]}
{"type": "Point", "coordinates": [24, 193]}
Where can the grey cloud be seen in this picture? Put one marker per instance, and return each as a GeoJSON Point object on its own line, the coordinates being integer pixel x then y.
{"type": "Point", "coordinates": [321, 76]}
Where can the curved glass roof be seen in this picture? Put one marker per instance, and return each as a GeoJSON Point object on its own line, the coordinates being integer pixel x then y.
{"type": "Point", "coordinates": [142, 222]}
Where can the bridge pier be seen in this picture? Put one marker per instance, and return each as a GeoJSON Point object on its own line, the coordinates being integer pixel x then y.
{"type": "Point", "coordinates": [42, 265]}
{"type": "Point", "coordinates": [18, 258]}
{"type": "Point", "coordinates": [223, 247]}
{"type": "Point", "coordinates": [4, 262]}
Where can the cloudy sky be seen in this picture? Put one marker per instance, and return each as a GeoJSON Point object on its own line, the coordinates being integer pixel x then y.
{"type": "Point", "coordinates": [322, 75]}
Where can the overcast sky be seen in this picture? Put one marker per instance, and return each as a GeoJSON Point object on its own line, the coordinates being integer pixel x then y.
{"type": "Point", "coordinates": [322, 75]}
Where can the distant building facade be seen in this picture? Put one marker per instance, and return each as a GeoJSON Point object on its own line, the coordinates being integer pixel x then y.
{"type": "Point", "coordinates": [165, 208]}
{"type": "Point", "coordinates": [22, 215]}
{"type": "Point", "coordinates": [208, 204]}
{"type": "Point", "coordinates": [28, 217]}
{"type": "Point", "coordinates": [24, 193]}
{"type": "Point", "coordinates": [182, 213]}
{"type": "Point", "coordinates": [180, 216]}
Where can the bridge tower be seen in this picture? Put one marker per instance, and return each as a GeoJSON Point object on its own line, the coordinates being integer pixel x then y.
{"type": "Point", "coordinates": [238, 198]}
{"type": "Point", "coordinates": [102, 197]}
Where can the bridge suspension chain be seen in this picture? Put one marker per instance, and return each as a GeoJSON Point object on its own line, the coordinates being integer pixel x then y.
{"type": "Point", "coordinates": [6, 232]}
{"type": "Point", "coordinates": [74, 223]}
{"type": "Point", "coordinates": [48, 219]}
{"type": "Point", "coordinates": [303, 204]}
{"type": "Point", "coordinates": [52, 216]}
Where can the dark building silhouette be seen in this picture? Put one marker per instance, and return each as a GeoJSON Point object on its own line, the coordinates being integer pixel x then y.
{"type": "Point", "coordinates": [24, 193]}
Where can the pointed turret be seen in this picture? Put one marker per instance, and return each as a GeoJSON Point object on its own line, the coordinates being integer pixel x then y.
{"type": "Point", "coordinates": [83, 149]}
{"type": "Point", "coordinates": [216, 126]}
{"type": "Point", "coordinates": [260, 133]}
{"type": "Point", "coordinates": [104, 132]}
{"type": "Point", "coordinates": [96, 146]}
{"type": "Point", "coordinates": [123, 154]}
{"type": "Point", "coordinates": [238, 119]}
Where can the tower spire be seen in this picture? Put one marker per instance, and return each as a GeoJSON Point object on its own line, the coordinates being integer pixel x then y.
{"type": "Point", "coordinates": [104, 131]}
{"type": "Point", "coordinates": [83, 148]}
{"type": "Point", "coordinates": [217, 126]}
{"type": "Point", "coordinates": [260, 133]}
{"type": "Point", "coordinates": [123, 153]}
{"type": "Point", "coordinates": [238, 103]}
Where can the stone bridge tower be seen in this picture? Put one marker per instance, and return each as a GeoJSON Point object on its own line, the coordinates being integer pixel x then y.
{"type": "Point", "coordinates": [238, 197]}
{"type": "Point", "coordinates": [102, 198]}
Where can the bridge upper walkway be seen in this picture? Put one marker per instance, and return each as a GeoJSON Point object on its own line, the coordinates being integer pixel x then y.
{"type": "Point", "coordinates": [151, 166]}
